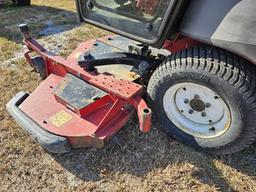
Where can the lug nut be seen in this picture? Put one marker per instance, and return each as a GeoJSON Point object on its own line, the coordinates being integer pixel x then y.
{"type": "Point", "coordinates": [186, 101]}
{"type": "Point", "coordinates": [191, 111]}
{"type": "Point", "coordinates": [203, 114]}
{"type": "Point", "coordinates": [207, 105]}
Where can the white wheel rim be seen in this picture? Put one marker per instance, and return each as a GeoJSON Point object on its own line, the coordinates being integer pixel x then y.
{"type": "Point", "coordinates": [197, 110]}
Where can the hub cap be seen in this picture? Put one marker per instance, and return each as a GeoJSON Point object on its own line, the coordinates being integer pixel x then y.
{"type": "Point", "coordinates": [197, 110]}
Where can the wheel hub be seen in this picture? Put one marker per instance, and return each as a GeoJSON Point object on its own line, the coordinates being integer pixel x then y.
{"type": "Point", "coordinates": [197, 105]}
{"type": "Point", "coordinates": [197, 110]}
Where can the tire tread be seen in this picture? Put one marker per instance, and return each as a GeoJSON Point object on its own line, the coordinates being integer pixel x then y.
{"type": "Point", "coordinates": [235, 70]}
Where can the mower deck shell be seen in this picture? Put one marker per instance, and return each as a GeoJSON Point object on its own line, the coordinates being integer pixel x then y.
{"type": "Point", "coordinates": [49, 141]}
{"type": "Point", "coordinates": [56, 118]}
{"type": "Point", "coordinates": [68, 118]}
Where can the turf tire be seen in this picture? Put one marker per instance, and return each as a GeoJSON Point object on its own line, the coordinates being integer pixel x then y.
{"type": "Point", "coordinates": [229, 75]}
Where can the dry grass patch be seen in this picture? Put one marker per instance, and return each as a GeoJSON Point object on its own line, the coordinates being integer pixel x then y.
{"type": "Point", "coordinates": [8, 49]}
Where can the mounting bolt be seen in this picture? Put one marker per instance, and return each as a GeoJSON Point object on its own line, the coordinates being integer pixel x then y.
{"type": "Point", "coordinates": [186, 101]}
{"type": "Point", "coordinates": [196, 96]}
{"type": "Point", "coordinates": [191, 111]}
{"type": "Point", "coordinates": [203, 114]}
{"type": "Point", "coordinates": [207, 105]}
{"type": "Point", "coordinates": [95, 97]}
{"type": "Point", "coordinates": [148, 27]}
{"type": "Point", "coordinates": [90, 5]}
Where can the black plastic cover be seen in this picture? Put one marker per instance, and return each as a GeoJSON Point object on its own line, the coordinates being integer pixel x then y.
{"type": "Point", "coordinates": [229, 24]}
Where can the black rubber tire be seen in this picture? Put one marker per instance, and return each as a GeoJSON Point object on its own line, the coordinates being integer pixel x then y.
{"type": "Point", "coordinates": [39, 65]}
{"type": "Point", "coordinates": [22, 2]}
{"type": "Point", "coordinates": [230, 76]}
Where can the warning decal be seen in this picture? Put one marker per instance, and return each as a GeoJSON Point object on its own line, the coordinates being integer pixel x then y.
{"type": "Point", "coordinates": [60, 118]}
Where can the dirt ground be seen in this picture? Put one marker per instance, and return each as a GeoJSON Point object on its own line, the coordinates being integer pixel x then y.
{"type": "Point", "coordinates": [131, 161]}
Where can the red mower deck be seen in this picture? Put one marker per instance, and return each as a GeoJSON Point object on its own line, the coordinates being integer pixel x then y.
{"type": "Point", "coordinates": [80, 108]}
{"type": "Point", "coordinates": [80, 129]}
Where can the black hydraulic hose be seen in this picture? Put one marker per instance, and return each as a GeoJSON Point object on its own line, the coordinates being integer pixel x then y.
{"type": "Point", "coordinates": [89, 62]}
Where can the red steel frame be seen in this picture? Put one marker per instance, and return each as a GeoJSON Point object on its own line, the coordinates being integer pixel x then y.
{"type": "Point", "coordinates": [108, 114]}
{"type": "Point", "coordinates": [179, 42]}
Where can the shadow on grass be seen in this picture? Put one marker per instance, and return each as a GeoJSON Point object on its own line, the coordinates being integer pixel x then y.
{"type": "Point", "coordinates": [42, 21]}
{"type": "Point", "coordinates": [135, 153]}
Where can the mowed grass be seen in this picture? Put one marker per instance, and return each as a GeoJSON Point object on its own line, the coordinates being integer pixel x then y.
{"type": "Point", "coordinates": [131, 161]}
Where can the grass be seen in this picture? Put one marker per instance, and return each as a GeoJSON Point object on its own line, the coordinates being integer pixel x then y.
{"type": "Point", "coordinates": [7, 48]}
{"type": "Point", "coordinates": [131, 161]}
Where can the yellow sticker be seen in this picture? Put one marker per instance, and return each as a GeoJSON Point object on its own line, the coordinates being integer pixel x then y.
{"type": "Point", "coordinates": [60, 118]}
